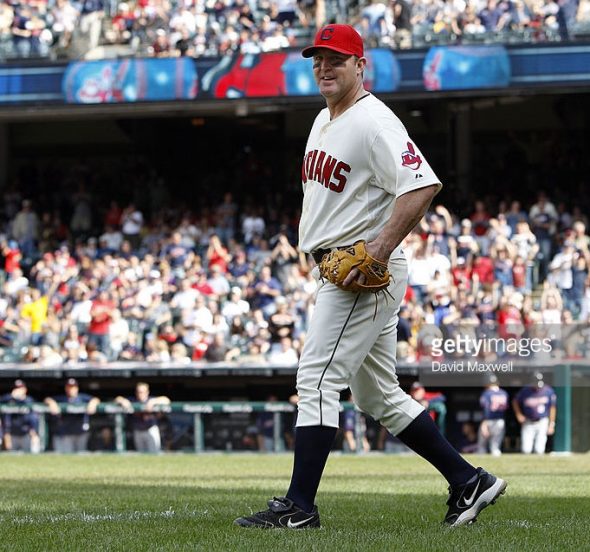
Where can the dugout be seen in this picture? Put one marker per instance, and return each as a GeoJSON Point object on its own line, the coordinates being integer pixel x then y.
{"type": "Point", "coordinates": [234, 387]}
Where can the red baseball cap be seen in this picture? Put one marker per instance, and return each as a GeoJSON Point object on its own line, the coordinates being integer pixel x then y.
{"type": "Point", "coordinates": [340, 38]}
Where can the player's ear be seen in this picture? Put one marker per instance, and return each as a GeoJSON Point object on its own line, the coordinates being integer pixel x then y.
{"type": "Point", "coordinates": [360, 64]}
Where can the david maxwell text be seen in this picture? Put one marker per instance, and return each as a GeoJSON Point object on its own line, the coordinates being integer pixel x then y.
{"type": "Point", "coordinates": [471, 366]}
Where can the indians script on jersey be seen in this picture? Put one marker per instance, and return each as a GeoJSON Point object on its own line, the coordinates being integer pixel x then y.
{"type": "Point", "coordinates": [325, 169]}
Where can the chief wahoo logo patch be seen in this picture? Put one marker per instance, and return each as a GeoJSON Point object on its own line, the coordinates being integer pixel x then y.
{"type": "Point", "coordinates": [410, 159]}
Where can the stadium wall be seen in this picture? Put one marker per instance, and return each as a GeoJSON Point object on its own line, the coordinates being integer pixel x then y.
{"type": "Point", "coordinates": [285, 73]}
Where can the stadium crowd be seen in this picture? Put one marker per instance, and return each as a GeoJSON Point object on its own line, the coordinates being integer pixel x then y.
{"type": "Point", "coordinates": [163, 28]}
{"type": "Point", "coordinates": [227, 283]}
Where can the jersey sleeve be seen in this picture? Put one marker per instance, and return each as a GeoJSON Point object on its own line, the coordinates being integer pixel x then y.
{"type": "Point", "coordinates": [483, 400]}
{"type": "Point", "coordinates": [552, 397]}
{"type": "Point", "coordinates": [398, 164]}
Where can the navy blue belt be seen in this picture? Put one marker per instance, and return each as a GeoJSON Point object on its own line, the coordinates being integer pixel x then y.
{"type": "Point", "coordinates": [318, 255]}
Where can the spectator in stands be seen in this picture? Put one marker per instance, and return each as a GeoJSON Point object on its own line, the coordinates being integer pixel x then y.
{"type": "Point", "coordinates": [132, 224]}
{"type": "Point", "coordinates": [373, 24]}
{"type": "Point", "coordinates": [252, 224]}
{"type": "Point", "coordinates": [36, 310]}
{"type": "Point", "coordinates": [131, 350]}
{"type": "Point", "coordinates": [92, 14]}
{"type": "Point", "coordinates": [235, 306]}
{"type": "Point", "coordinates": [101, 315]}
{"type": "Point", "coordinates": [21, 430]}
{"type": "Point", "coordinates": [10, 257]}
{"type": "Point", "coordinates": [543, 217]}
{"type": "Point", "coordinates": [264, 292]}
{"type": "Point", "coordinates": [480, 219]}
{"type": "Point", "coordinates": [398, 18]}
{"type": "Point", "coordinates": [218, 283]}
{"type": "Point", "coordinates": [515, 215]}
{"type": "Point", "coordinates": [71, 430]}
{"type": "Point", "coordinates": [25, 229]}
{"type": "Point", "coordinates": [220, 351]}
{"type": "Point", "coordinates": [144, 421]}
{"type": "Point", "coordinates": [561, 271]}
{"type": "Point", "coordinates": [284, 354]}
{"type": "Point", "coordinates": [282, 257]}
{"type": "Point", "coordinates": [226, 213]}
{"type": "Point", "coordinates": [419, 270]}
{"type": "Point", "coordinates": [579, 280]}
{"type": "Point", "coordinates": [282, 322]}
{"type": "Point", "coordinates": [471, 24]}
{"type": "Point", "coordinates": [493, 17]}
{"type": "Point", "coordinates": [175, 251]}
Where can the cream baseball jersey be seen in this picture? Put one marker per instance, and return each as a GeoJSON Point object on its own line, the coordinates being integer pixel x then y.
{"type": "Point", "coordinates": [353, 170]}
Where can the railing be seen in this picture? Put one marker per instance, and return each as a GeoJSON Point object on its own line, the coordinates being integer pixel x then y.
{"type": "Point", "coordinates": [197, 409]}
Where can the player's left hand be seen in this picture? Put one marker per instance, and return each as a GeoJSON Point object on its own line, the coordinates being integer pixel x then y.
{"type": "Point", "coordinates": [353, 268]}
{"type": "Point", "coordinates": [355, 275]}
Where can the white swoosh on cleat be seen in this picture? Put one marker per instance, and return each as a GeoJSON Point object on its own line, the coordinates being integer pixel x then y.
{"type": "Point", "coordinates": [469, 502]}
{"type": "Point", "coordinates": [292, 525]}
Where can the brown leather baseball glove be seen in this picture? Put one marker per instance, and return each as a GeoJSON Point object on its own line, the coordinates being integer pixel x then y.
{"type": "Point", "coordinates": [337, 264]}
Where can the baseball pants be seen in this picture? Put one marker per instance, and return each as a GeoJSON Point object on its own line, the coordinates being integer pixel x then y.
{"type": "Point", "coordinates": [22, 443]}
{"type": "Point", "coordinates": [67, 444]}
{"type": "Point", "coordinates": [533, 436]}
{"type": "Point", "coordinates": [351, 342]}
{"type": "Point", "coordinates": [494, 439]}
{"type": "Point", "coordinates": [147, 440]}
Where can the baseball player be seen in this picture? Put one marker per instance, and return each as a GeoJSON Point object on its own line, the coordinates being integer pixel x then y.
{"type": "Point", "coordinates": [146, 432]}
{"type": "Point", "coordinates": [71, 430]}
{"type": "Point", "coordinates": [494, 403]}
{"type": "Point", "coordinates": [365, 186]}
{"type": "Point", "coordinates": [535, 408]}
{"type": "Point", "coordinates": [21, 430]}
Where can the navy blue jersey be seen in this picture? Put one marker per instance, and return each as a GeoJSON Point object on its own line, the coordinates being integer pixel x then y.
{"type": "Point", "coordinates": [142, 421]}
{"type": "Point", "coordinates": [536, 403]}
{"type": "Point", "coordinates": [72, 424]}
{"type": "Point", "coordinates": [494, 403]}
{"type": "Point", "coordinates": [349, 420]}
{"type": "Point", "coordinates": [265, 423]}
{"type": "Point", "coordinates": [19, 424]}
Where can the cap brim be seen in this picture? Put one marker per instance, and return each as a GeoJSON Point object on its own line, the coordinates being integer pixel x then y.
{"type": "Point", "coordinates": [310, 50]}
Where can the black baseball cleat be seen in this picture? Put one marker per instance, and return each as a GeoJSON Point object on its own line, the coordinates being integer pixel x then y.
{"type": "Point", "coordinates": [468, 500]}
{"type": "Point", "coordinates": [281, 513]}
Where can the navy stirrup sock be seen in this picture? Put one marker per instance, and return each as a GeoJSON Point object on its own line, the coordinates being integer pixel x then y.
{"type": "Point", "coordinates": [424, 438]}
{"type": "Point", "coordinates": [312, 447]}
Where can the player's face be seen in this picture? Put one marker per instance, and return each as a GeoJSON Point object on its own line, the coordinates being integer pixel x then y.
{"type": "Point", "coordinates": [336, 74]}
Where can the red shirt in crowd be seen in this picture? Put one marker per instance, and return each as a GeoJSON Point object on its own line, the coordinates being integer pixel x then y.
{"type": "Point", "coordinates": [12, 260]}
{"type": "Point", "coordinates": [200, 349]}
{"type": "Point", "coordinates": [509, 322]}
{"type": "Point", "coordinates": [462, 275]}
{"type": "Point", "coordinates": [219, 260]}
{"type": "Point", "coordinates": [519, 276]}
{"type": "Point", "coordinates": [484, 268]}
{"type": "Point", "coordinates": [100, 313]}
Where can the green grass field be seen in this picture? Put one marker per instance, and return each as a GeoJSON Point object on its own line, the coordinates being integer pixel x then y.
{"type": "Point", "coordinates": [186, 502]}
